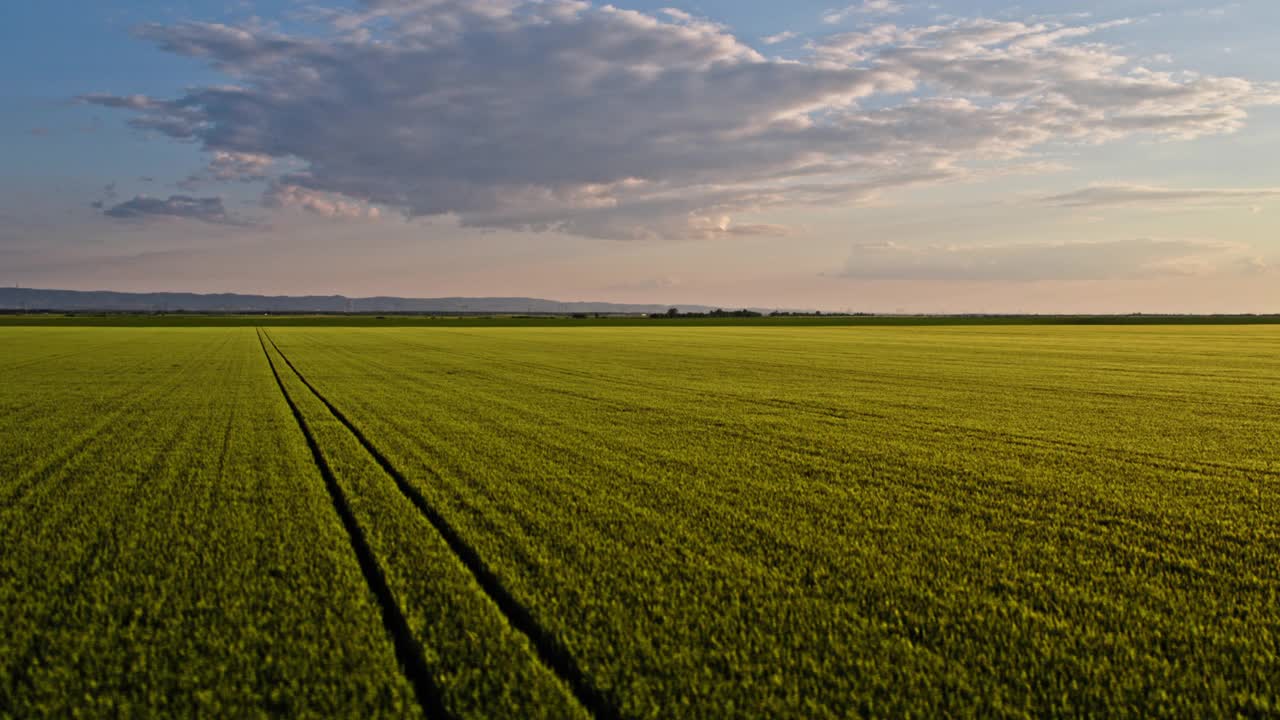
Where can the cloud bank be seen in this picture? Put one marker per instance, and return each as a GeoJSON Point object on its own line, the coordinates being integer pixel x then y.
{"type": "Point", "coordinates": [561, 115]}
{"type": "Point", "coordinates": [1115, 195]}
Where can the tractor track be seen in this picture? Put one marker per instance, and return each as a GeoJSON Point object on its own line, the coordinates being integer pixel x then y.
{"type": "Point", "coordinates": [409, 653]}
{"type": "Point", "coordinates": [549, 650]}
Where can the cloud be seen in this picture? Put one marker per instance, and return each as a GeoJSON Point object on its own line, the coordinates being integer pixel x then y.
{"type": "Point", "coordinates": [1038, 262]}
{"type": "Point", "coordinates": [778, 38]}
{"type": "Point", "coordinates": [723, 226]}
{"type": "Point", "coordinates": [1212, 12]}
{"type": "Point", "coordinates": [239, 166]}
{"type": "Point", "coordinates": [324, 204]}
{"type": "Point", "coordinates": [227, 166]}
{"type": "Point", "coordinates": [1136, 195]}
{"type": "Point", "coordinates": [1041, 83]}
{"type": "Point", "coordinates": [208, 209]}
{"type": "Point", "coordinates": [109, 195]}
{"type": "Point", "coordinates": [565, 116]}
{"type": "Point", "coordinates": [866, 7]}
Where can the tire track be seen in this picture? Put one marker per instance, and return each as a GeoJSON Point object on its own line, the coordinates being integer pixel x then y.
{"type": "Point", "coordinates": [550, 651]}
{"type": "Point", "coordinates": [408, 652]}
{"type": "Point", "coordinates": [801, 449]}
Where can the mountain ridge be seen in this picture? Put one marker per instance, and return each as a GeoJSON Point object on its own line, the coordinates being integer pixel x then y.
{"type": "Point", "coordinates": [33, 299]}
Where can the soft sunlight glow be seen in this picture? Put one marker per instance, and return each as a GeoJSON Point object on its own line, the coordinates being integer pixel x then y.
{"type": "Point", "coordinates": [559, 122]}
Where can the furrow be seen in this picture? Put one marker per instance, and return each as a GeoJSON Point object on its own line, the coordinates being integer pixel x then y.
{"type": "Point", "coordinates": [549, 649]}
{"type": "Point", "coordinates": [408, 652]}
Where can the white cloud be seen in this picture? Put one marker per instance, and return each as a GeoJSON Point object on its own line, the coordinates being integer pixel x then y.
{"type": "Point", "coordinates": [231, 167]}
{"type": "Point", "coordinates": [597, 121]}
{"type": "Point", "coordinates": [239, 165]}
{"type": "Point", "coordinates": [328, 205]}
{"type": "Point", "coordinates": [866, 7]}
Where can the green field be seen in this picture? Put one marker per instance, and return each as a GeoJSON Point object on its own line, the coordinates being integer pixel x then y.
{"type": "Point", "coordinates": [640, 520]}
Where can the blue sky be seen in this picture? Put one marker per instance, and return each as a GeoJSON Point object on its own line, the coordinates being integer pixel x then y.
{"type": "Point", "coordinates": [878, 154]}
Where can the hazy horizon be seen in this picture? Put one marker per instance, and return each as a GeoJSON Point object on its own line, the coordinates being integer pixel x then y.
{"type": "Point", "coordinates": [878, 156]}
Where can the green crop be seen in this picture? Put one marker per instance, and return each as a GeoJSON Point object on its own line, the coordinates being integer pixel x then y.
{"type": "Point", "coordinates": [640, 521]}
{"type": "Point", "coordinates": [166, 545]}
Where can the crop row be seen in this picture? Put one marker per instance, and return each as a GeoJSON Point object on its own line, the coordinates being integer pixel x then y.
{"type": "Point", "coordinates": [167, 547]}
{"type": "Point", "coordinates": [472, 662]}
{"type": "Point", "coordinates": [644, 522]}
{"type": "Point", "coordinates": [808, 522]}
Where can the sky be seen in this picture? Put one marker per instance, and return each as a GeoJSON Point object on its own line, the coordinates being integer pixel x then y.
{"type": "Point", "coordinates": [879, 156]}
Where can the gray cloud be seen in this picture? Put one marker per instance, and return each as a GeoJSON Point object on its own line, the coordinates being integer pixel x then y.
{"type": "Point", "coordinates": [210, 209]}
{"type": "Point", "coordinates": [1135, 195]}
{"type": "Point", "coordinates": [1030, 262]}
{"type": "Point", "coordinates": [592, 120]}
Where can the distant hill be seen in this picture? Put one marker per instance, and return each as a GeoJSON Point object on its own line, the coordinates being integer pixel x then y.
{"type": "Point", "coordinates": [75, 300]}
